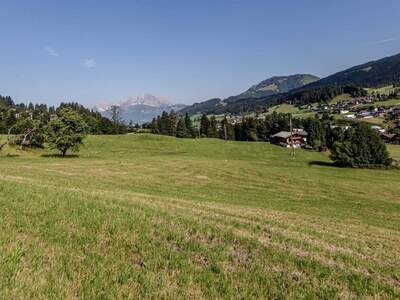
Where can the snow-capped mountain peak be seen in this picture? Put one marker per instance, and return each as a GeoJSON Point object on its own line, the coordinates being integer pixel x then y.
{"type": "Point", "coordinates": [138, 109]}
{"type": "Point", "coordinates": [147, 99]}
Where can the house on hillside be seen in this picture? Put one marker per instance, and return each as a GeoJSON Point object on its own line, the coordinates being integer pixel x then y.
{"type": "Point", "coordinates": [351, 116]}
{"type": "Point", "coordinates": [378, 128]}
{"type": "Point", "coordinates": [298, 138]}
{"type": "Point", "coordinates": [365, 114]}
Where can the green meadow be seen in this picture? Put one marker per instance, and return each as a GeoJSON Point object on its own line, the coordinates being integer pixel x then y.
{"type": "Point", "coordinates": [146, 216]}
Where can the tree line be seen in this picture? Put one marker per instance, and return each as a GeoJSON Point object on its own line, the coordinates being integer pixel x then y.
{"type": "Point", "coordinates": [62, 128]}
{"type": "Point", "coordinates": [359, 146]}
{"type": "Point", "coordinates": [246, 129]}
{"type": "Point", "coordinates": [11, 115]}
{"type": "Point", "coordinates": [173, 125]}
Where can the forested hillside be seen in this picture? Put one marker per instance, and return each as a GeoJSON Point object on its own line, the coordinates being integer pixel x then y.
{"type": "Point", "coordinates": [275, 85]}
{"type": "Point", "coordinates": [378, 73]}
{"type": "Point", "coordinates": [253, 98]}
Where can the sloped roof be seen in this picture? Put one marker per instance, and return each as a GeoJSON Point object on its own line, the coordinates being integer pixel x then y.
{"type": "Point", "coordinates": [281, 134]}
{"type": "Point", "coordinates": [286, 134]}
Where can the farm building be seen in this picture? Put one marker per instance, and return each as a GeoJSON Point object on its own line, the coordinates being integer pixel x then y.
{"type": "Point", "coordinates": [297, 138]}
{"type": "Point", "coordinates": [389, 138]}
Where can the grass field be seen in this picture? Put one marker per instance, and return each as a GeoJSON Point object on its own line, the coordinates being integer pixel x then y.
{"type": "Point", "coordinates": [141, 216]}
{"type": "Point", "coordinates": [386, 90]}
{"type": "Point", "coordinates": [390, 102]}
{"type": "Point", "coordinates": [288, 108]}
{"type": "Point", "coordinates": [340, 98]}
{"type": "Point", "coordinates": [394, 151]}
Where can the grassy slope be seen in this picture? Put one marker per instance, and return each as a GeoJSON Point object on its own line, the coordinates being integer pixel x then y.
{"type": "Point", "coordinates": [141, 216]}
{"type": "Point", "coordinates": [386, 90]}
{"type": "Point", "coordinates": [390, 102]}
{"type": "Point", "coordinates": [288, 108]}
{"type": "Point", "coordinates": [394, 151]}
{"type": "Point", "coordinates": [298, 113]}
{"type": "Point", "coordinates": [342, 97]}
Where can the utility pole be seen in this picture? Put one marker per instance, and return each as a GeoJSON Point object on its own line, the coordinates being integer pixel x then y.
{"type": "Point", "coordinates": [225, 133]}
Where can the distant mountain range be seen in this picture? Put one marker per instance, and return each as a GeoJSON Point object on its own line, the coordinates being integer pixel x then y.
{"type": "Point", "coordinates": [272, 86]}
{"type": "Point", "coordinates": [281, 89]}
{"type": "Point", "coordinates": [139, 109]}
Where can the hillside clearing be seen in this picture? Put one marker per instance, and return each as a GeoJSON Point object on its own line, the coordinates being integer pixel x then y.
{"type": "Point", "coordinates": [150, 216]}
{"type": "Point", "coordinates": [290, 109]}
{"type": "Point", "coordinates": [385, 90]}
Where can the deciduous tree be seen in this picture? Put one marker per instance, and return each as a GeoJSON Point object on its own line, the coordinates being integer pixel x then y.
{"type": "Point", "coordinates": [66, 132]}
{"type": "Point", "coordinates": [361, 147]}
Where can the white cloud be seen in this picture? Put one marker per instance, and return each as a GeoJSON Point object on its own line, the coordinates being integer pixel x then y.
{"type": "Point", "coordinates": [50, 51]}
{"type": "Point", "coordinates": [89, 63]}
{"type": "Point", "coordinates": [392, 39]}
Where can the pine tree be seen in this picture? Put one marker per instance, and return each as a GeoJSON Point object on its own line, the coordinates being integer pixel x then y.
{"type": "Point", "coordinates": [189, 127]}
{"type": "Point", "coordinates": [181, 129]}
{"type": "Point", "coordinates": [172, 121]}
{"type": "Point", "coordinates": [153, 126]}
{"type": "Point", "coordinates": [212, 131]}
{"type": "Point", "coordinates": [249, 129]}
{"type": "Point", "coordinates": [204, 125]}
{"type": "Point", "coordinates": [164, 123]}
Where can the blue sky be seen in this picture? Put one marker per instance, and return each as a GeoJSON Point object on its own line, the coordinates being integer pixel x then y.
{"type": "Point", "coordinates": [187, 51]}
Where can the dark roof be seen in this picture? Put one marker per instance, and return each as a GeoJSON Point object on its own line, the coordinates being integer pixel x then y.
{"type": "Point", "coordinates": [286, 134]}
{"type": "Point", "coordinates": [388, 135]}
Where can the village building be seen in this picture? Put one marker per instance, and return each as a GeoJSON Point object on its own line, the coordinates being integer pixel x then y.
{"type": "Point", "coordinates": [388, 138]}
{"type": "Point", "coordinates": [364, 114]}
{"type": "Point", "coordinates": [351, 116]}
{"type": "Point", "coordinates": [378, 128]}
{"type": "Point", "coordinates": [297, 138]}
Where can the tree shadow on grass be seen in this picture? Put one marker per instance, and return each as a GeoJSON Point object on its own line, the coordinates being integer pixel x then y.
{"type": "Point", "coordinates": [56, 155]}
{"type": "Point", "coordinates": [323, 163]}
{"type": "Point", "coordinates": [335, 165]}
{"type": "Point", "coordinates": [10, 155]}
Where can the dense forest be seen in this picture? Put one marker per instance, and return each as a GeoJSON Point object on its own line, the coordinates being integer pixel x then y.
{"type": "Point", "coordinates": [377, 73]}
{"type": "Point", "coordinates": [320, 94]}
